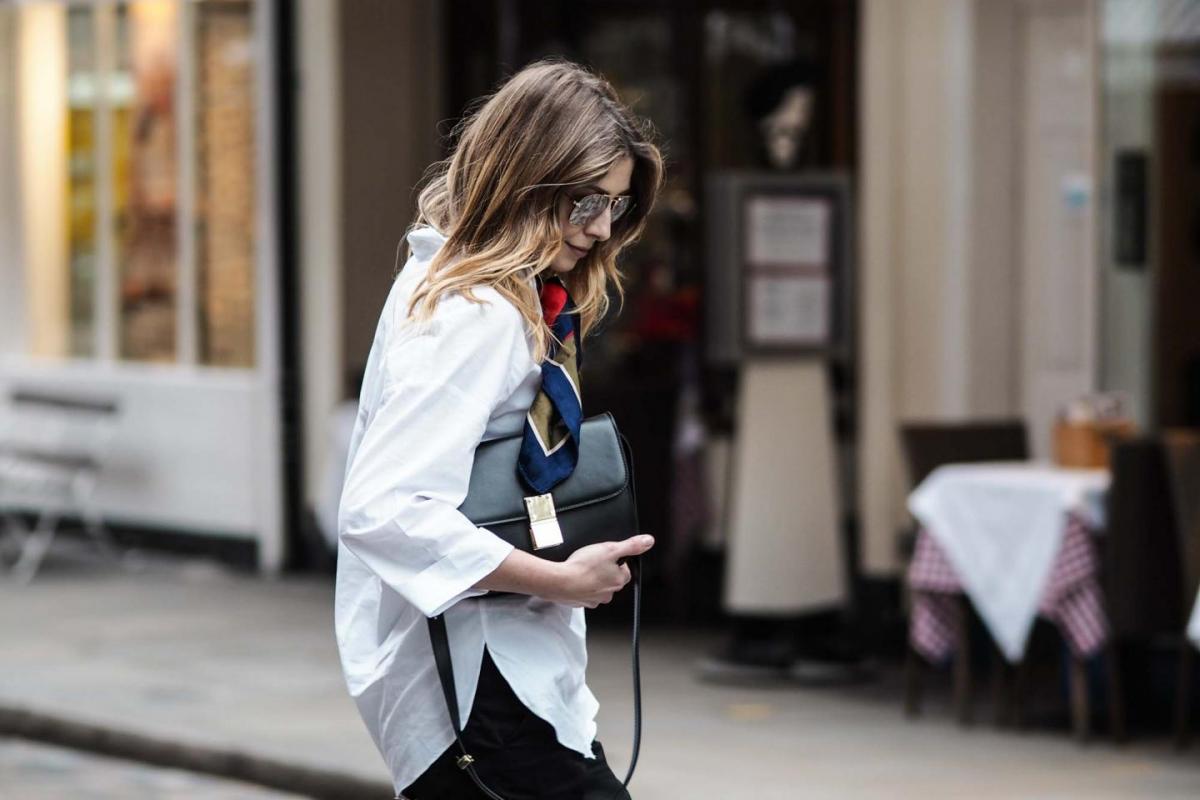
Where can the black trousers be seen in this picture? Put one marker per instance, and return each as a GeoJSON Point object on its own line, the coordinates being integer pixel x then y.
{"type": "Point", "coordinates": [516, 754]}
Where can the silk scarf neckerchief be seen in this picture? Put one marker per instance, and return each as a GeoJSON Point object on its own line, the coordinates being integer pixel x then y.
{"type": "Point", "coordinates": [550, 448]}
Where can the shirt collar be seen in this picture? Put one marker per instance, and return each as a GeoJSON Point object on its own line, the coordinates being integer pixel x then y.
{"type": "Point", "coordinates": [426, 240]}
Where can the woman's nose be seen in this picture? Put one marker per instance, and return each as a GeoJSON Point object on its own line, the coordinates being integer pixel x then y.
{"type": "Point", "coordinates": [600, 228]}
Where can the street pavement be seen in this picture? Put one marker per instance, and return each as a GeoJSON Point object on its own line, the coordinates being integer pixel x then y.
{"type": "Point", "coordinates": [190, 653]}
{"type": "Point", "coordinates": [31, 771]}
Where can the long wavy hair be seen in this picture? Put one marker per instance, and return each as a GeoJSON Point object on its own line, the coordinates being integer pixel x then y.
{"type": "Point", "coordinates": [550, 127]}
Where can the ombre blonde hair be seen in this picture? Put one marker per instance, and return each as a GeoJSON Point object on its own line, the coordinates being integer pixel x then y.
{"type": "Point", "coordinates": [550, 127]}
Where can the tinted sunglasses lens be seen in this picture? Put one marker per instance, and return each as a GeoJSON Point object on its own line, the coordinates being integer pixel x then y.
{"type": "Point", "coordinates": [623, 204]}
{"type": "Point", "coordinates": [588, 208]}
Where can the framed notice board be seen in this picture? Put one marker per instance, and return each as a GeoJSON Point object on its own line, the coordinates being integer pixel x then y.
{"type": "Point", "coordinates": [787, 251]}
{"type": "Point", "coordinates": [779, 265]}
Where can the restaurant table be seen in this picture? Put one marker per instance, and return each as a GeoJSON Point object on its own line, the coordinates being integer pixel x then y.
{"type": "Point", "coordinates": [1016, 538]}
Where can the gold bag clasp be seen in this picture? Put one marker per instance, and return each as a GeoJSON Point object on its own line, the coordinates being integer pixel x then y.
{"type": "Point", "coordinates": [543, 521]}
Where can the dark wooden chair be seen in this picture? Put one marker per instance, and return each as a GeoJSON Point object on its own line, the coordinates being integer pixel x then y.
{"type": "Point", "coordinates": [927, 446]}
{"type": "Point", "coordinates": [1143, 577]}
{"type": "Point", "coordinates": [1183, 472]}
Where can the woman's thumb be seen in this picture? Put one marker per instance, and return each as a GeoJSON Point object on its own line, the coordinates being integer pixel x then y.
{"type": "Point", "coordinates": [635, 545]}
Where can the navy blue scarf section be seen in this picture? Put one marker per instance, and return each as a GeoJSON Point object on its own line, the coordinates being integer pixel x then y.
{"type": "Point", "coordinates": [550, 448]}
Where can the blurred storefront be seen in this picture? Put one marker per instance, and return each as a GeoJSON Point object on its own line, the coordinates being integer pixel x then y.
{"type": "Point", "coordinates": [1025, 184]}
{"type": "Point", "coordinates": [1150, 158]}
{"type": "Point", "coordinates": [706, 74]}
{"type": "Point", "coordinates": [137, 231]}
{"type": "Point", "coordinates": [1017, 174]}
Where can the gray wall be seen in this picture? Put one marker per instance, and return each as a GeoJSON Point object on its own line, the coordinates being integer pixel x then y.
{"type": "Point", "coordinates": [1127, 121]}
{"type": "Point", "coordinates": [993, 358]}
{"type": "Point", "coordinates": [12, 290]}
{"type": "Point", "coordinates": [391, 101]}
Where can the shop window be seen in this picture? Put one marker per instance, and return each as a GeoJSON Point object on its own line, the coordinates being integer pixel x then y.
{"type": "Point", "coordinates": [144, 249]}
{"type": "Point", "coordinates": [146, 171]}
{"type": "Point", "coordinates": [81, 179]}
{"type": "Point", "coordinates": [225, 183]}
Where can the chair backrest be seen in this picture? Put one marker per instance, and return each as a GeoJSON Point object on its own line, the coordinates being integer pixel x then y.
{"type": "Point", "coordinates": [71, 403]}
{"type": "Point", "coordinates": [1183, 468]}
{"type": "Point", "coordinates": [1142, 575]}
{"type": "Point", "coordinates": [929, 445]}
{"type": "Point", "coordinates": [58, 424]}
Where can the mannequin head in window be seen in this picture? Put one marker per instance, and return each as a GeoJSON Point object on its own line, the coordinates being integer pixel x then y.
{"type": "Point", "coordinates": [508, 196]}
{"type": "Point", "coordinates": [781, 104]}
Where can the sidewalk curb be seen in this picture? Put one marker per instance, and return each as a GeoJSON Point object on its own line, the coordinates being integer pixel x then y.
{"type": "Point", "coordinates": [316, 783]}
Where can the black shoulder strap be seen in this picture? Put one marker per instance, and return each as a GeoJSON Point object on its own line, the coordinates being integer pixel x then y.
{"type": "Point", "coordinates": [445, 667]}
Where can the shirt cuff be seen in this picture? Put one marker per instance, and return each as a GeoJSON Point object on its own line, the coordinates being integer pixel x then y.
{"type": "Point", "coordinates": [450, 578]}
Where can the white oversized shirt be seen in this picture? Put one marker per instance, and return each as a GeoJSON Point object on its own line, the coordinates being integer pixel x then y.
{"type": "Point", "coordinates": [431, 393]}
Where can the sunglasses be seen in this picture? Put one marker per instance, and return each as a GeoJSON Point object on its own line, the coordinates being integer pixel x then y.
{"type": "Point", "coordinates": [588, 208]}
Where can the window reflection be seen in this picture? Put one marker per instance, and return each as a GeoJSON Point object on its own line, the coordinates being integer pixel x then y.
{"type": "Point", "coordinates": [81, 179]}
{"type": "Point", "coordinates": [225, 182]}
{"type": "Point", "coordinates": [146, 176]}
{"type": "Point", "coordinates": [103, 96]}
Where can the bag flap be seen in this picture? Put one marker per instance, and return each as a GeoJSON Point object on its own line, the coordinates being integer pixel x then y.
{"type": "Point", "coordinates": [497, 494]}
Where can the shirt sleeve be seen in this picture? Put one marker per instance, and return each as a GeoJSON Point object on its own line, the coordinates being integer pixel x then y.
{"type": "Point", "coordinates": [410, 473]}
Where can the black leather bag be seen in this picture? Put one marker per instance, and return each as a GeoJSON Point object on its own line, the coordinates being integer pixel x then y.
{"type": "Point", "coordinates": [596, 503]}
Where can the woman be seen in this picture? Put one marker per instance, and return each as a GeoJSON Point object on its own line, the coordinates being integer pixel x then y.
{"type": "Point", "coordinates": [548, 181]}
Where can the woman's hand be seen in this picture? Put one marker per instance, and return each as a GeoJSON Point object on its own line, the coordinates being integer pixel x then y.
{"type": "Point", "coordinates": [592, 576]}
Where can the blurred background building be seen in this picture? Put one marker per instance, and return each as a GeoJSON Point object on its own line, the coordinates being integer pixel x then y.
{"type": "Point", "coordinates": [140, 242]}
{"type": "Point", "coordinates": [200, 204]}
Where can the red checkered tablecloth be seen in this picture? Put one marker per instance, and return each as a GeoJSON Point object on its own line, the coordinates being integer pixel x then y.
{"type": "Point", "coordinates": [1071, 600]}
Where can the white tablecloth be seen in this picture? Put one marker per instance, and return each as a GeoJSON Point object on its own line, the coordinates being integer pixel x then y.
{"type": "Point", "coordinates": [1001, 525]}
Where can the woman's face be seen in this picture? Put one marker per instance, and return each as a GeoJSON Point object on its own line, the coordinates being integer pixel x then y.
{"type": "Point", "coordinates": [579, 239]}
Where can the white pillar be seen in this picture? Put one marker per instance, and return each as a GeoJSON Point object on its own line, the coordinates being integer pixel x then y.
{"type": "Point", "coordinates": [12, 279]}
{"type": "Point", "coordinates": [41, 118]}
{"type": "Point", "coordinates": [937, 232]}
{"type": "Point", "coordinates": [320, 181]}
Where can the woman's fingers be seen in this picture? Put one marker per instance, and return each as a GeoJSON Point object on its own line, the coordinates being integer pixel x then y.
{"type": "Point", "coordinates": [633, 546]}
{"type": "Point", "coordinates": [599, 576]}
